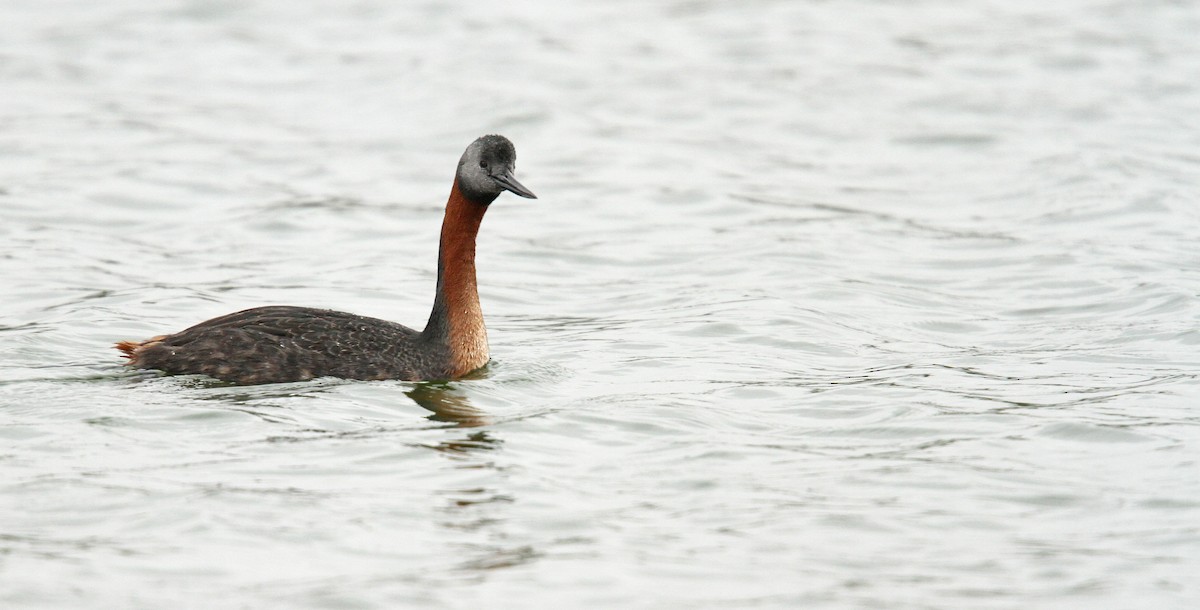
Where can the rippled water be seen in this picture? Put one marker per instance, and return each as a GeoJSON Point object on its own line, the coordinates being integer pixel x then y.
{"type": "Point", "coordinates": [823, 304]}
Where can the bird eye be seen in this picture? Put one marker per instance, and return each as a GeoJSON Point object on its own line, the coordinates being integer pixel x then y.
{"type": "Point", "coordinates": [483, 164]}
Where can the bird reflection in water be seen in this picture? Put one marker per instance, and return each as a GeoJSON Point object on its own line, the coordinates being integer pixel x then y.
{"type": "Point", "coordinates": [449, 405]}
{"type": "Point", "coordinates": [476, 507]}
{"type": "Point", "coordinates": [478, 513]}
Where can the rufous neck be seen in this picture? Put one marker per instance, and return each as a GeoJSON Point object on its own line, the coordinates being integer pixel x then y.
{"type": "Point", "coordinates": [457, 320]}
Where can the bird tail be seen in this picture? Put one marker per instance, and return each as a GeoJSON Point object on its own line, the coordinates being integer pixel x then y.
{"type": "Point", "coordinates": [129, 347]}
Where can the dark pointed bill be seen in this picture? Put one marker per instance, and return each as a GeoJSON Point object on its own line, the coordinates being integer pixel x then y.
{"type": "Point", "coordinates": [507, 181]}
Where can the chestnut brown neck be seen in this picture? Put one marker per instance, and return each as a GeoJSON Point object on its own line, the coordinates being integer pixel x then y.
{"type": "Point", "coordinates": [456, 322]}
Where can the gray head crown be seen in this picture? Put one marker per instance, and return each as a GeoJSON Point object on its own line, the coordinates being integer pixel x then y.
{"type": "Point", "coordinates": [486, 169]}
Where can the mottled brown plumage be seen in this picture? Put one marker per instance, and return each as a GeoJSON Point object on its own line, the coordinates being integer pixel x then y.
{"type": "Point", "coordinates": [283, 343]}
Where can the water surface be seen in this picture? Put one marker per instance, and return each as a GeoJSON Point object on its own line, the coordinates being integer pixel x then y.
{"type": "Point", "coordinates": [821, 305]}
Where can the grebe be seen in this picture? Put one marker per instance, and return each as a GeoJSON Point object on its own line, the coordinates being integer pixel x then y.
{"type": "Point", "coordinates": [282, 343]}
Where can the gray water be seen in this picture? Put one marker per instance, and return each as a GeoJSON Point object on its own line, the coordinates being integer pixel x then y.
{"type": "Point", "coordinates": [823, 304]}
